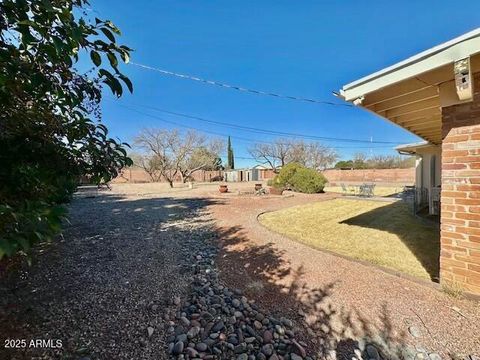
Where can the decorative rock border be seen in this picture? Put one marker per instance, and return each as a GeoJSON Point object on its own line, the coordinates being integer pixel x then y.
{"type": "Point", "coordinates": [215, 322]}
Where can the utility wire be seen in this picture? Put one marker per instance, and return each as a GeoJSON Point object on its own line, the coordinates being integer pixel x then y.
{"type": "Point", "coordinates": [225, 135]}
{"type": "Point", "coordinates": [234, 87]}
{"type": "Point", "coordinates": [259, 130]}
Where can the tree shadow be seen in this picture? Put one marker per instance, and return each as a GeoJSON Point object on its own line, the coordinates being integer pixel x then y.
{"type": "Point", "coordinates": [262, 272]}
{"type": "Point", "coordinates": [110, 259]}
{"type": "Point", "coordinates": [101, 251]}
{"type": "Point", "coordinates": [394, 218]}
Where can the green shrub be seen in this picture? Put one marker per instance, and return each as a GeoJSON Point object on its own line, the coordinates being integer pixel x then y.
{"type": "Point", "coordinates": [284, 177]}
{"type": "Point", "coordinates": [276, 183]}
{"type": "Point", "coordinates": [308, 181]}
{"type": "Point", "coordinates": [51, 133]}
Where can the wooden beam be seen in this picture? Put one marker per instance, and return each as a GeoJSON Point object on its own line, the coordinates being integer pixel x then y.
{"type": "Point", "coordinates": [424, 127]}
{"type": "Point", "coordinates": [426, 122]}
{"type": "Point", "coordinates": [426, 80]}
{"type": "Point", "coordinates": [422, 114]}
{"type": "Point", "coordinates": [404, 99]}
{"type": "Point", "coordinates": [413, 108]}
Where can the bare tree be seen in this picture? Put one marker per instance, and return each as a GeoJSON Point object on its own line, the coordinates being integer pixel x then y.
{"type": "Point", "coordinates": [150, 164]}
{"type": "Point", "coordinates": [274, 154]}
{"type": "Point", "coordinates": [201, 155]}
{"type": "Point", "coordinates": [318, 156]}
{"type": "Point", "coordinates": [280, 152]}
{"type": "Point", "coordinates": [173, 153]}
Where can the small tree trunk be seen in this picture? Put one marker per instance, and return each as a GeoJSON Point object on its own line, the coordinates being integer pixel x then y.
{"type": "Point", "coordinates": [170, 182]}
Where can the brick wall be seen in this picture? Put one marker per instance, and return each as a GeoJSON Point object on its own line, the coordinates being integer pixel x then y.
{"type": "Point", "coordinates": [401, 176]}
{"type": "Point", "coordinates": [460, 215]}
{"type": "Point", "coordinates": [138, 175]}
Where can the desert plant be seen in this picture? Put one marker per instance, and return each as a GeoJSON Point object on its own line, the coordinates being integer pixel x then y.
{"type": "Point", "coordinates": [284, 177]}
{"type": "Point", "coordinates": [308, 181]}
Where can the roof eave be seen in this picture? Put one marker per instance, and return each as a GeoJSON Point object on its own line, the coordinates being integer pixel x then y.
{"type": "Point", "coordinates": [459, 48]}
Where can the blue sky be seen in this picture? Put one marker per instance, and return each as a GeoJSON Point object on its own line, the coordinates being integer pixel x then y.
{"type": "Point", "coordinates": [306, 49]}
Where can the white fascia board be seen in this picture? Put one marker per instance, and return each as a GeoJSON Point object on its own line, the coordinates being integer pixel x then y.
{"type": "Point", "coordinates": [459, 48]}
{"type": "Point", "coordinates": [413, 146]}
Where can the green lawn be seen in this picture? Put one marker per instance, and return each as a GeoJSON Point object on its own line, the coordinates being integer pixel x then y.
{"type": "Point", "coordinates": [385, 234]}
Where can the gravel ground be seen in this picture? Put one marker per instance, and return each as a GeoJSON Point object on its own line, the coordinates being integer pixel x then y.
{"type": "Point", "coordinates": [134, 276]}
{"type": "Point", "coordinates": [107, 285]}
{"type": "Point", "coordinates": [144, 272]}
{"type": "Point", "coordinates": [343, 304]}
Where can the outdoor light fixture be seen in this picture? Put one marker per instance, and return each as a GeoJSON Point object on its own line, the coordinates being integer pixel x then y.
{"type": "Point", "coordinates": [463, 79]}
{"type": "Point", "coordinates": [358, 101]}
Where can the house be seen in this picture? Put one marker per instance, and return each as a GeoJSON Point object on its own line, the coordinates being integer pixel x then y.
{"type": "Point", "coordinates": [427, 174]}
{"type": "Point", "coordinates": [436, 95]}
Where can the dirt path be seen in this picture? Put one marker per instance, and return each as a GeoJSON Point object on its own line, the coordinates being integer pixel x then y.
{"type": "Point", "coordinates": [342, 303]}
{"type": "Point", "coordinates": [122, 260]}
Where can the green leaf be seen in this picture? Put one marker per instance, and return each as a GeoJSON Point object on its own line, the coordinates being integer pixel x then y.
{"type": "Point", "coordinates": [108, 34]}
{"type": "Point", "coordinates": [113, 59]}
{"type": "Point", "coordinates": [125, 56]}
{"type": "Point", "coordinates": [127, 82]}
{"type": "Point", "coordinates": [113, 27]}
{"type": "Point", "coordinates": [96, 59]}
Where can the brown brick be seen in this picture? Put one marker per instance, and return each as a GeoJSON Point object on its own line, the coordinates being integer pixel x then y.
{"type": "Point", "coordinates": [472, 280]}
{"type": "Point", "coordinates": [454, 194]}
{"type": "Point", "coordinates": [452, 235]}
{"type": "Point", "coordinates": [471, 288]}
{"type": "Point", "coordinates": [456, 249]}
{"type": "Point", "coordinates": [474, 238]}
{"type": "Point", "coordinates": [474, 224]}
{"type": "Point", "coordinates": [466, 201]}
{"type": "Point", "coordinates": [469, 187]}
{"type": "Point", "coordinates": [467, 230]}
{"type": "Point", "coordinates": [448, 263]}
{"type": "Point", "coordinates": [455, 138]}
{"type": "Point", "coordinates": [455, 153]}
{"type": "Point", "coordinates": [453, 222]}
{"type": "Point", "coordinates": [466, 159]}
{"type": "Point", "coordinates": [467, 216]}
{"type": "Point", "coordinates": [446, 254]}
{"type": "Point", "coordinates": [453, 166]}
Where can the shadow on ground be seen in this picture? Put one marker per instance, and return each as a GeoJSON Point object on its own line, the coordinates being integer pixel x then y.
{"type": "Point", "coordinates": [93, 287]}
{"type": "Point", "coordinates": [392, 218]}
{"type": "Point", "coordinates": [100, 277]}
{"type": "Point", "coordinates": [262, 272]}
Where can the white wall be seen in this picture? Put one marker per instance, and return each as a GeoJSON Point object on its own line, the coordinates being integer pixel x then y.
{"type": "Point", "coordinates": [428, 170]}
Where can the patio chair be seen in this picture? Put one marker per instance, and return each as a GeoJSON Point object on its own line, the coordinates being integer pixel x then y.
{"type": "Point", "coordinates": [347, 190]}
{"type": "Point", "coordinates": [371, 189]}
{"type": "Point", "coordinates": [366, 190]}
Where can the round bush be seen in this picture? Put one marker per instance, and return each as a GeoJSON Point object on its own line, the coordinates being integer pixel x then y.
{"type": "Point", "coordinates": [308, 181]}
{"type": "Point", "coordinates": [284, 177]}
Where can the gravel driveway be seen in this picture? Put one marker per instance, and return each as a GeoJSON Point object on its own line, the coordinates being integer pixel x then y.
{"type": "Point", "coordinates": [121, 262]}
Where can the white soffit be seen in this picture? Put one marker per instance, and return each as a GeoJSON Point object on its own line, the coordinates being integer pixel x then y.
{"type": "Point", "coordinates": [446, 53]}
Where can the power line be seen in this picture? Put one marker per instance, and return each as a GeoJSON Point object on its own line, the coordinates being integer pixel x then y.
{"type": "Point", "coordinates": [263, 131]}
{"type": "Point", "coordinates": [234, 87]}
{"type": "Point", "coordinates": [223, 134]}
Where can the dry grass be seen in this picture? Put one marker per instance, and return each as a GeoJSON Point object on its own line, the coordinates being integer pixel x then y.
{"type": "Point", "coordinates": [383, 191]}
{"type": "Point", "coordinates": [386, 234]}
{"type": "Point", "coordinates": [453, 289]}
